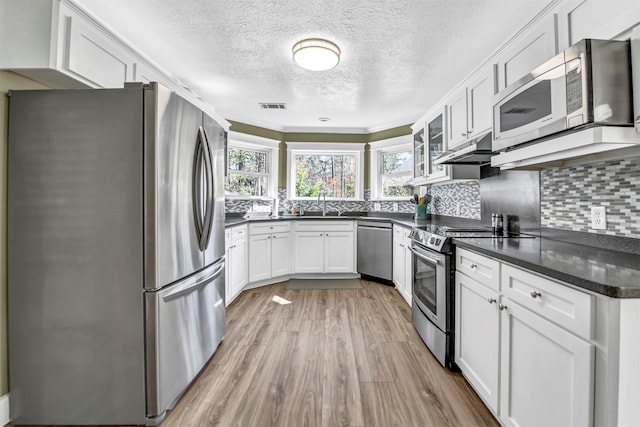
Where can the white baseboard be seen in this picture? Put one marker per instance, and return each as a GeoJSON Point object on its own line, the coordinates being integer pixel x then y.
{"type": "Point", "coordinates": [4, 410]}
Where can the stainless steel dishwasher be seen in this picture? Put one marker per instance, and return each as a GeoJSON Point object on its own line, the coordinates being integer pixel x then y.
{"type": "Point", "coordinates": [375, 250]}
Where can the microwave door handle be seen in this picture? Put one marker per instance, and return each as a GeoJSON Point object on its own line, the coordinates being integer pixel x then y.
{"type": "Point", "coordinates": [208, 212]}
{"type": "Point", "coordinates": [197, 190]}
{"type": "Point", "coordinates": [424, 257]}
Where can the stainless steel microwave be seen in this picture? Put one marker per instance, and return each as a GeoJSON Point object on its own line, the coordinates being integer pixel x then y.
{"type": "Point", "coordinates": [588, 84]}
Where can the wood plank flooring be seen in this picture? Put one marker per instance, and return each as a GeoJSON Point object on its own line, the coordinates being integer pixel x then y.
{"type": "Point", "coordinates": [330, 358]}
{"type": "Point", "coordinates": [347, 357]}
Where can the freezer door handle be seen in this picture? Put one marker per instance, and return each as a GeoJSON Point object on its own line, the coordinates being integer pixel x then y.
{"type": "Point", "coordinates": [186, 288]}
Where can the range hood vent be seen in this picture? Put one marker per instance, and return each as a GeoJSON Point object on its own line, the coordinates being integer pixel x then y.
{"type": "Point", "coordinates": [475, 152]}
{"type": "Point", "coordinates": [595, 144]}
{"type": "Point", "coordinates": [273, 105]}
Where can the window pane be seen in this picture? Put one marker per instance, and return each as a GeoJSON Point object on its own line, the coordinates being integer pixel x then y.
{"type": "Point", "coordinates": [396, 186]}
{"type": "Point", "coordinates": [333, 174]}
{"type": "Point", "coordinates": [247, 160]}
{"type": "Point", "coordinates": [396, 162]}
{"type": "Point", "coordinates": [247, 185]}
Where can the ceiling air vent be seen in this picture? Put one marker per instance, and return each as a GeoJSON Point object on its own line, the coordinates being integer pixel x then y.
{"type": "Point", "coordinates": [272, 105]}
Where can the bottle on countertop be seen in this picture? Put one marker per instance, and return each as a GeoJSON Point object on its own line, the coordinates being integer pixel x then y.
{"type": "Point", "coordinates": [496, 224]}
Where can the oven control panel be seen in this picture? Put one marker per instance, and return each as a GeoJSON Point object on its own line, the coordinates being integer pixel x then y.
{"type": "Point", "coordinates": [430, 240]}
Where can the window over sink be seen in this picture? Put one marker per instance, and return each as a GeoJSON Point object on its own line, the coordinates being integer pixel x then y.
{"type": "Point", "coordinates": [334, 170]}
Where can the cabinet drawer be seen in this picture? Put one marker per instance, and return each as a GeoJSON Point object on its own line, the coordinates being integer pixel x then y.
{"type": "Point", "coordinates": [238, 233]}
{"type": "Point", "coordinates": [564, 306]}
{"type": "Point", "coordinates": [269, 227]}
{"type": "Point", "coordinates": [479, 267]}
{"type": "Point", "coordinates": [327, 225]}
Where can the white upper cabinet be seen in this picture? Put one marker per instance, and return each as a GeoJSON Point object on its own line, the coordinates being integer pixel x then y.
{"type": "Point", "coordinates": [530, 50]}
{"type": "Point", "coordinates": [64, 48]}
{"type": "Point", "coordinates": [480, 90]}
{"type": "Point", "coordinates": [469, 108]}
{"type": "Point", "coordinates": [595, 19]}
{"type": "Point", "coordinates": [457, 114]}
{"type": "Point", "coordinates": [56, 43]}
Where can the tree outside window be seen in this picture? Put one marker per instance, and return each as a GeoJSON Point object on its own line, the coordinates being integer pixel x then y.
{"type": "Point", "coordinates": [395, 173]}
{"type": "Point", "coordinates": [333, 174]}
{"type": "Point", "coordinates": [248, 173]}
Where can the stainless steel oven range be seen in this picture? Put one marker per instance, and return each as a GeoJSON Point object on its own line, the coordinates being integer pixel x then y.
{"type": "Point", "coordinates": [433, 306]}
{"type": "Point", "coordinates": [433, 299]}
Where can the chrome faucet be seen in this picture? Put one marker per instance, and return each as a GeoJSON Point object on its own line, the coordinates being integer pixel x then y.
{"type": "Point", "coordinates": [324, 202]}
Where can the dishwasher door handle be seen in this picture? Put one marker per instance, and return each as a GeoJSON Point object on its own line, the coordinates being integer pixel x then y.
{"type": "Point", "coordinates": [366, 227]}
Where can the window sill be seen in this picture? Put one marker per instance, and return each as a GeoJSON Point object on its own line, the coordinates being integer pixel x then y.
{"type": "Point", "coordinates": [328, 199]}
{"type": "Point", "coordinates": [392, 199]}
{"type": "Point", "coordinates": [232, 197]}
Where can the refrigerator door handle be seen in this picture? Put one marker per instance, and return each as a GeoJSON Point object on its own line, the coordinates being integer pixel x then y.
{"type": "Point", "coordinates": [186, 288]}
{"type": "Point", "coordinates": [208, 213]}
{"type": "Point", "coordinates": [197, 189]}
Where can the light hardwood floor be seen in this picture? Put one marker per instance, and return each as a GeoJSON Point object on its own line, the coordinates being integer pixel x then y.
{"type": "Point", "coordinates": [330, 358]}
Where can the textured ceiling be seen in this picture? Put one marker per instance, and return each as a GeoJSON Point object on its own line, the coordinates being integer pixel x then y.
{"type": "Point", "coordinates": [399, 57]}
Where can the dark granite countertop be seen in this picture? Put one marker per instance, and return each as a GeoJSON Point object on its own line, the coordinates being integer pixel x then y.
{"type": "Point", "coordinates": [405, 219]}
{"type": "Point", "coordinates": [607, 272]}
{"type": "Point", "coordinates": [396, 218]}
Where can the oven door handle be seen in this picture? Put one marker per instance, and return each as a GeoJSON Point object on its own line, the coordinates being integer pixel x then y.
{"type": "Point", "coordinates": [421, 255]}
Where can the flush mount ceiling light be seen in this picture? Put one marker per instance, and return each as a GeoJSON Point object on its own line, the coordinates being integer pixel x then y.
{"type": "Point", "coordinates": [316, 54]}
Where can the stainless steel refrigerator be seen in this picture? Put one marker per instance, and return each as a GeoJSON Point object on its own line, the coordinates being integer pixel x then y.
{"type": "Point", "coordinates": [115, 252]}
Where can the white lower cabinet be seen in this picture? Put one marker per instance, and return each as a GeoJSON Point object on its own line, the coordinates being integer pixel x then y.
{"type": "Point", "coordinates": [237, 273]}
{"type": "Point", "coordinates": [402, 267]}
{"type": "Point", "coordinates": [269, 250]}
{"type": "Point", "coordinates": [309, 249]}
{"type": "Point", "coordinates": [531, 366]}
{"type": "Point", "coordinates": [325, 247]}
{"type": "Point", "coordinates": [259, 257]}
{"type": "Point", "coordinates": [478, 337]}
{"type": "Point", "coordinates": [547, 372]}
{"type": "Point", "coordinates": [339, 247]}
{"type": "Point", "coordinates": [281, 262]}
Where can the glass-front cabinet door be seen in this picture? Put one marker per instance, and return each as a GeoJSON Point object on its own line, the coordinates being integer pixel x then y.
{"type": "Point", "coordinates": [435, 145]}
{"type": "Point", "coordinates": [418, 154]}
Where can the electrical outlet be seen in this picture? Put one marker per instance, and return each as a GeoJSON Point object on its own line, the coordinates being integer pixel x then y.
{"type": "Point", "coordinates": [395, 206]}
{"type": "Point", "coordinates": [376, 206]}
{"type": "Point", "coordinates": [598, 218]}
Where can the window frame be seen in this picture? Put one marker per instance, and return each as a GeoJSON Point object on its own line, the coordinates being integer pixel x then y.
{"type": "Point", "coordinates": [326, 148]}
{"type": "Point", "coordinates": [243, 141]}
{"type": "Point", "coordinates": [377, 149]}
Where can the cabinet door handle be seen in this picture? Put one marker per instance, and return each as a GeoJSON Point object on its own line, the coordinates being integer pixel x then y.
{"type": "Point", "coordinates": [464, 134]}
{"type": "Point", "coordinates": [502, 307]}
{"type": "Point", "coordinates": [474, 266]}
{"type": "Point", "coordinates": [268, 237]}
{"type": "Point", "coordinates": [491, 300]}
{"type": "Point", "coordinates": [327, 234]}
{"type": "Point", "coordinates": [535, 294]}
{"type": "Point", "coordinates": [321, 234]}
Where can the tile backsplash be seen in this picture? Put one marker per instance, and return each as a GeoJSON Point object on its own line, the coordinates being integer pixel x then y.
{"type": "Point", "coordinates": [568, 193]}
{"type": "Point", "coordinates": [460, 199]}
{"type": "Point", "coordinates": [456, 199]}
